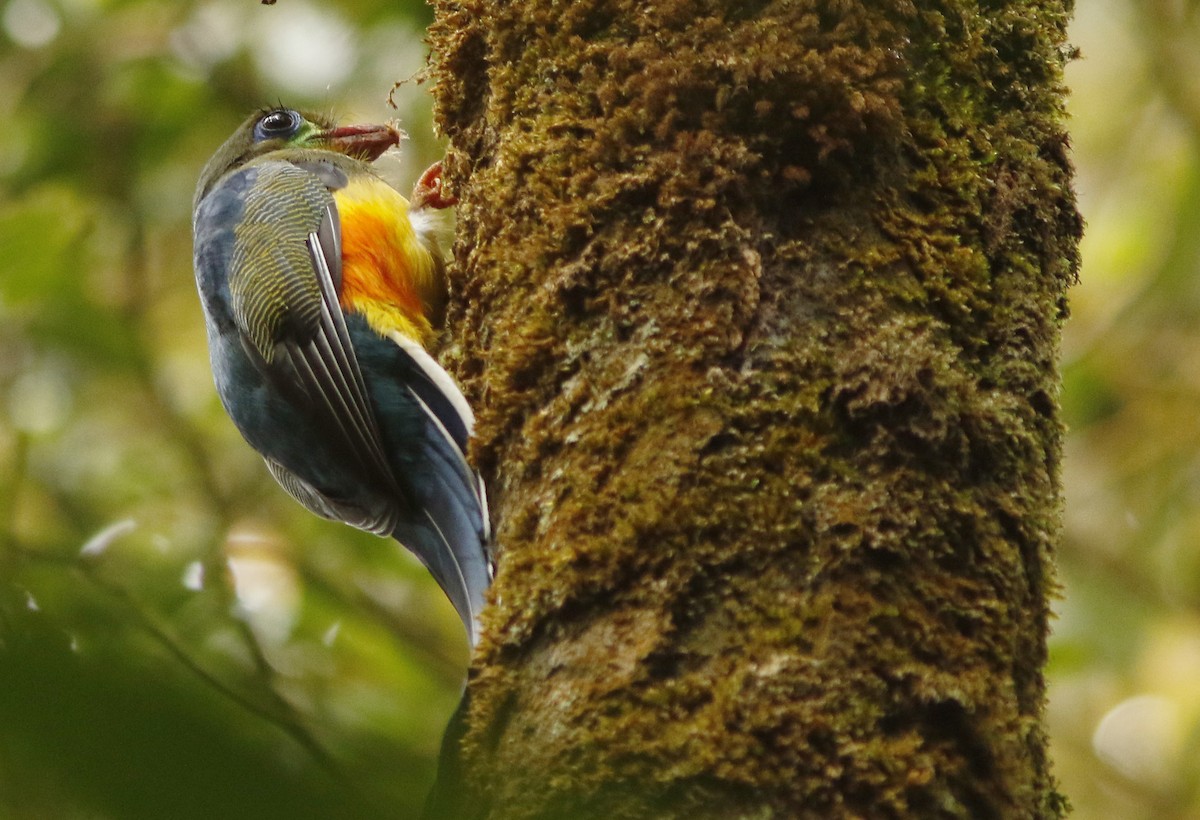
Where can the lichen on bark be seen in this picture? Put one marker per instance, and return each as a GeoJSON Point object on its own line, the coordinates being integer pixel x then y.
{"type": "Point", "coordinates": [758, 305]}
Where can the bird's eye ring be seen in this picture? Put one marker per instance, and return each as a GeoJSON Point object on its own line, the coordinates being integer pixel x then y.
{"type": "Point", "coordinates": [276, 124]}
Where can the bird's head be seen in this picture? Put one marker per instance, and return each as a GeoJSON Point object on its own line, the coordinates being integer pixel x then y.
{"type": "Point", "coordinates": [292, 132]}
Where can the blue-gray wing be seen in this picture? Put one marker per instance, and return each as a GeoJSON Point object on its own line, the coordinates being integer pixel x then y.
{"type": "Point", "coordinates": [284, 271]}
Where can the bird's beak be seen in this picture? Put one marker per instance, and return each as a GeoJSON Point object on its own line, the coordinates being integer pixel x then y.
{"type": "Point", "coordinates": [365, 142]}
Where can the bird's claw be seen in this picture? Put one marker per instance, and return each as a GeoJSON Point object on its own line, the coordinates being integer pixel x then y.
{"type": "Point", "coordinates": [428, 191]}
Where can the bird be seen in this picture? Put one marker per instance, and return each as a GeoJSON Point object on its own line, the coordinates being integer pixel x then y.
{"type": "Point", "coordinates": [322, 289]}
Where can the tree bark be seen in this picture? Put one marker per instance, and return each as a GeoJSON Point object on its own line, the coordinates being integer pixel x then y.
{"type": "Point", "coordinates": [758, 304]}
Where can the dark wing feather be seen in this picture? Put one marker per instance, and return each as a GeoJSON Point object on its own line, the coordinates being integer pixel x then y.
{"type": "Point", "coordinates": [437, 392]}
{"type": "Point", "coordinates": [333, 368]}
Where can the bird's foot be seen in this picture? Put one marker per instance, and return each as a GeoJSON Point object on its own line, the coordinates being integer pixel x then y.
{"type": "Point", "coordinates": [428, 192]}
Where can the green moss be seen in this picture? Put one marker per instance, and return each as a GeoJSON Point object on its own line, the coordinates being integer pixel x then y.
{"type": "Point", "coordinates": [758, 305]}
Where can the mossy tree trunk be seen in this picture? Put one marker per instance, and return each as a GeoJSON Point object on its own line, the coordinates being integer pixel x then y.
{"type": "Point", "coordinates": [758, 304]}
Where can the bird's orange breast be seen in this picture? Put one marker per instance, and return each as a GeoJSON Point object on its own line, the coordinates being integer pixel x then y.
{"type": "Point", "coordinates": [388, 275]}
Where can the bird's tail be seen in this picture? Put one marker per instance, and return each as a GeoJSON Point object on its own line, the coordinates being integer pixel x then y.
{"type": "Point", "coordinates": [449, 544]}
{"type": "Point", "coordinates": [453, 535]}
{"type": "Point", "coordinates": [451, 538]}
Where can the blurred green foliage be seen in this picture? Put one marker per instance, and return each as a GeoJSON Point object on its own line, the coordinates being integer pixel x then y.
{"type": "Point", "coordinates": [177, 638]}
{"type": "Point", "coordinates": [1124, 708]}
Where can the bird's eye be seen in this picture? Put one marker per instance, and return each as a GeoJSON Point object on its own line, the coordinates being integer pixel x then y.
{"type": "Point", "coordinates": [277, 124]}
